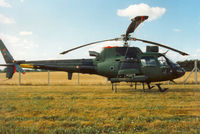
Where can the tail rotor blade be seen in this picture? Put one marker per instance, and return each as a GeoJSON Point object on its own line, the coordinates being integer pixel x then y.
{"type": "Point", "coordinates": [19, 69]}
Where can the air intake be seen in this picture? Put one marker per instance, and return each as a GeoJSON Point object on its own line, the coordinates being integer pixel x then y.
{"type": "Point", "coordinates": [152, 49]}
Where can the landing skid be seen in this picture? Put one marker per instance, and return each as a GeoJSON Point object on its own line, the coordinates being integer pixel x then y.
{"type": "Point", "coordinates": [150, 87]}
{"type": "Point", "coordinates": [114, 87]}
{"type": "Point", "coordinates": [161, 89]}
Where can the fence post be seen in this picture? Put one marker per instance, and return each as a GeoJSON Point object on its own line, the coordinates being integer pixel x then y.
{"type": "Point", "coordinates": [78, 78]}
{"type": "Point", "coordinates": [195, 70]}
{"type": "Point", "coordinates": [19, 78]}
{"type": "Point", "coordinates": [48, 78]}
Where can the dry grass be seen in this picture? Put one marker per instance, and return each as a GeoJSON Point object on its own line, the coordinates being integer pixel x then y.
{"type": "Point", "coordinates": [56, 78]}
{"type": "Point", "coordinates": [92, 107]}
{"type": "Point", "coordinates": [60, 78]}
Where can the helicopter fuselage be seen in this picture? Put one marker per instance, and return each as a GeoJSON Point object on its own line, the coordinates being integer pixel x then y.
{"type": "Point", "coordinates": [128, 64]}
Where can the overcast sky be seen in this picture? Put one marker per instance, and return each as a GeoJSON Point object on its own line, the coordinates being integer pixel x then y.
{"type": "Point", "coordinates": [41, 29]}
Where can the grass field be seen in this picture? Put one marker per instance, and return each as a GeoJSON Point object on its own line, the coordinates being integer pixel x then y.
{"type": "Point", "coordinates": [92, 107]}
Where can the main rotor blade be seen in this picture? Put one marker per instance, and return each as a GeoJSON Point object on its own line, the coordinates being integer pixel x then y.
{"type": "Point", "coordinates": [134, 24]}
{"type": "Point", "coordinates": [160, 45]}
{"type": "Point", "coordinates": [116, 39]}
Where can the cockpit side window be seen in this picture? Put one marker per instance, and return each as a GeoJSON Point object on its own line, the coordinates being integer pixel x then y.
{"type": "Point", "coordinates": [163, 62]}
{"type": "Point", "coordinates": [148, 61]}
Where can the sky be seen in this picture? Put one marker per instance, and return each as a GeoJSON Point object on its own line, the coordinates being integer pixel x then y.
{"type": "Point", "coordinates": [41, 29]}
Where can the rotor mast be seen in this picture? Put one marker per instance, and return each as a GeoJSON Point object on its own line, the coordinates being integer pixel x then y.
{"type": "Point", "coordinates": [125, 39]}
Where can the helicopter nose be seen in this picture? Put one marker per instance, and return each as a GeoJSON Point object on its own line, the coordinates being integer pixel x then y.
{"type": "Point", "coordinates": [180, 72]}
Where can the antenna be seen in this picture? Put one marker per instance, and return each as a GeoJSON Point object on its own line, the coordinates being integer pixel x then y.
{"type": "Point", "coordinates": [195, 70]}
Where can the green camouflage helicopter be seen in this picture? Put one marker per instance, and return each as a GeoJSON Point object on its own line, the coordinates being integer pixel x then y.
{"type": "Point", "coordinates": [118, 64]}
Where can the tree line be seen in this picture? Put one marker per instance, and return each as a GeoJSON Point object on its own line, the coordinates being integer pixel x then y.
{"type": "Point", "coordinates": [188, 65]}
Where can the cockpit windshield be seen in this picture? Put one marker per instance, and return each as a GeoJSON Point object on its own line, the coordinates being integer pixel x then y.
{"type": "Point", "coordinates": [162, 61]}
{"type": "Point", "coordinates": [173, 64]}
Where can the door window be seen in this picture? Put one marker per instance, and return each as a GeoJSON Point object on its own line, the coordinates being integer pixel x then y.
{"type": "Point", "coordinates": [148, 61]}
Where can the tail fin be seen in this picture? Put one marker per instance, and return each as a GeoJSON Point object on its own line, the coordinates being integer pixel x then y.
{"type": "Point", "coordinates": [10, 70]}
{"type": "Point", "coordinates": [6, 54]}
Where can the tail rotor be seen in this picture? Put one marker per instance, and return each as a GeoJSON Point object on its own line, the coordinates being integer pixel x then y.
{"type": "Point", "coordinates": [11, 64]}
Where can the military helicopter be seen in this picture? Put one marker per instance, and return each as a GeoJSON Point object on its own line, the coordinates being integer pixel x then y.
{"type": "Point", "coordinates": [118, 64]}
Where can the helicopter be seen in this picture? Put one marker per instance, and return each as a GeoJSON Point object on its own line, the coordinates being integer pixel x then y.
{"type": "Point", "coordinates": [118, 64]}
